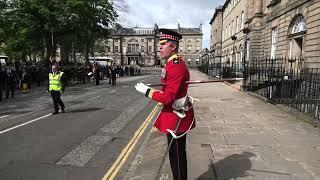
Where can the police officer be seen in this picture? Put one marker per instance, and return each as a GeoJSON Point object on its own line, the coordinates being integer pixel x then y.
{"type": "Point", "coordinates": [174, 75]}
{"type": "Point", "coordinates": [57, 82]}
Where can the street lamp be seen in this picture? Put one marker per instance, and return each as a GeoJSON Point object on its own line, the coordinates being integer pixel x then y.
{"type": "Point", "coordinates": [213, 62]}
{"type": "Point", "coordinates": [233, 38]}
{"type": "Point", "coordinates": [52, 48]}
{"type": "Point", "coordinates": [51, 30]}
{"type": "Point", "coordinates": [213, 56]}
{"type": "Point", "coordinates": [245, 31]}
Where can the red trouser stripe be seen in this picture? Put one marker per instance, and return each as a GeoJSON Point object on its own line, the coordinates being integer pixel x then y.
{"type": "Point", "coordinates": [178, 158]}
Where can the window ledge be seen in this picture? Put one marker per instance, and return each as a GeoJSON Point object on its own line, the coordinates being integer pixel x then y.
{"type": "Point", "coordinates": [273, 3]}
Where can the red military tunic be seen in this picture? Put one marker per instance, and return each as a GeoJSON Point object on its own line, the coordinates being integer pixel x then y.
{"type": "Point", "coordinates": [174, 75]}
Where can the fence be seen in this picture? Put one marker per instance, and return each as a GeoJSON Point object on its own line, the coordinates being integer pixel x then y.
{"type": "Point", "coordinates": [281, 80]}
{"type": "Point", "coordinates": [225, 70]}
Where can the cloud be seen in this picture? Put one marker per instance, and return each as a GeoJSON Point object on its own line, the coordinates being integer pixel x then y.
{"type": "Point", "coordinates": [167, 14]}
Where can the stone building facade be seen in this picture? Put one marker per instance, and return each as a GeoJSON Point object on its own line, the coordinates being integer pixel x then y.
{"type": "Point", "coordinates": [190, 45]}
{"type": "Point", "coordinates": [268, 29]}
{"type": "Point", "coordinates": [216, 36]}
{"type": "Point", "coordinates": [140, 45]}
{"type": "Point", "coordinates": [291, 29]}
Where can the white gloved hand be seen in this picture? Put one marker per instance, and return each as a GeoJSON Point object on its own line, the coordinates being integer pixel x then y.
{"type": "Point", "coordinates": [142, 88]}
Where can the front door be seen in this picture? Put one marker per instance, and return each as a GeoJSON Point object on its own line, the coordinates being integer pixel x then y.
{"type": "Point", "coordinates": [296, 48]}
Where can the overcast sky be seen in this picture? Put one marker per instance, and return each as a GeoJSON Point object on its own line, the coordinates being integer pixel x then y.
{"type": "Point", "coordinates": [167, 14]}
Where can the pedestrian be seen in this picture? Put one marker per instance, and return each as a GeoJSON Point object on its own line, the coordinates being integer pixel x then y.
{"type": "Point", "coordinates": [114, 72]}
{"type": "Point", "coordinates": [11, 80]}
{"type": "Point", "coordinates": [57, 81]}
{"type": "Point", "coordinates": [174, 122]}
{"type": "Point", "coordinates": [96, 72]}
{"type": "Point", "coordinates": [2, 80]}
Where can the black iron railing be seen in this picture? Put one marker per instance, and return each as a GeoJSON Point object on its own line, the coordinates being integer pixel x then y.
{"type": "Point", "coordinates": [281, 80]}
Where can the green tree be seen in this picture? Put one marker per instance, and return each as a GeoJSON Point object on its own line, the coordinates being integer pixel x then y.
{"type": "Point", "coordinates": [33, 27]}
{"type": "Point", "coordinates": [91, 20]}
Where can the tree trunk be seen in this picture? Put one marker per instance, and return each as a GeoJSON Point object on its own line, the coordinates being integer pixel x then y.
{"type": "Point", "coordinates": [64, 54]}
{"type": "Point", "coordinates": [73, 54]}
{"type": "Point", "coordinates": [86, 54]}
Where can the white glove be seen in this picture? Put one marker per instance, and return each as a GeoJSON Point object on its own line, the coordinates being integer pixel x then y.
{"type": "Point", "coordinates": [142, 88]}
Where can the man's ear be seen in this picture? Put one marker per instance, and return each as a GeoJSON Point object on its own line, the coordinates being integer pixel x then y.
{"type": "Point", "coordinates": [173, 46]}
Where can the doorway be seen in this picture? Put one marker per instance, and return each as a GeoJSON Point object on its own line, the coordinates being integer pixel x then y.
{"type": "Point", "coordinates": [296, 47]}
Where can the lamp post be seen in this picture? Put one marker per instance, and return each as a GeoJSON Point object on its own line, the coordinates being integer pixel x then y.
{"type": "Point", "coordinates": [245, 31]}
{"type": "Point", "coordinates": [233, 38]}
{"type": "Point", "coordinates": [52, 43]}
{"type": "Point", "coordinates": [51, 30]}
{"type": "Point", "coordinates": [213, 64]}
{"type": "Point", "coordinates": [208, 58]}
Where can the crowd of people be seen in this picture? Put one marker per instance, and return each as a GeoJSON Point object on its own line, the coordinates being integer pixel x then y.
{"type": "Point", "coordinates": [24, 76]}
{"type": "Point", "coordinates": [112, 72]}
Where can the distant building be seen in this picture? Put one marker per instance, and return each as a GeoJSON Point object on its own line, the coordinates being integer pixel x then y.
{"type": "Point", "coordinates": [140, 45]}
{"type": "Point", "coordinates": [274, 28]}
{"type": "Point", "coordinates": [216, 36]}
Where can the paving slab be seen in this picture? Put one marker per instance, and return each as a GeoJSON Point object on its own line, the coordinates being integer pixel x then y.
{"type": "Point", "coordinates": [239, 136]}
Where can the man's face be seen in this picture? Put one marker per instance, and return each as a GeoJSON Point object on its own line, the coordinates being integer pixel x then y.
{"type": "Point", "coordinates": [54, 68]}
{"type": "Point", "coordinates": [166, 49]}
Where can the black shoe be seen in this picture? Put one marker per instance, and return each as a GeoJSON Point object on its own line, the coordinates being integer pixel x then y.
{"type": "Point", "coordinates": [56, 112]}
{"type": "Point", "coordinates": [62, 110]}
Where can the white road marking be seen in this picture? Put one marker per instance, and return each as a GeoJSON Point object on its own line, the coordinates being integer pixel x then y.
{"type": "Point", "coordinates": [20, 125]}
{"type": "Point", "coordinates": [112, 91]}
{"type": "Point", "coordinates": [94, 97]}
{"type": "Point", "coordinates": [4, 116]}
{"type": "Point", "coordinates": [37, 119]}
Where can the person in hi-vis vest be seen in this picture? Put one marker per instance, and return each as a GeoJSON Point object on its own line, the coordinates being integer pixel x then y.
{"type": "Point", "coordinates": [56, 87]}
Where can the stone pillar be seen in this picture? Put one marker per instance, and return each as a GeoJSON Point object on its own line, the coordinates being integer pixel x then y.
{"type": "Point", "coordinates": [250, 9]}
{"type": "Point", "coordinates": [257, 7]}
{"type": "Point", "coordinates": [257, 15]}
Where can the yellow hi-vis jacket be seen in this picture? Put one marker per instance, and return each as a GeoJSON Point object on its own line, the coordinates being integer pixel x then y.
{"type": "Point", "coordinates": [55, 82]}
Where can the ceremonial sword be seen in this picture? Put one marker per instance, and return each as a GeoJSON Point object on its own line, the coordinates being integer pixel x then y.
{"type": "Point", "coordinates": [198, 82]}
{"type": "Point", "coordinates": [167, 150]}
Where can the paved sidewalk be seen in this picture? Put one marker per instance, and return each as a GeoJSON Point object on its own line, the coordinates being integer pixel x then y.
{"type": "Point", "coordinates": [237, 136]}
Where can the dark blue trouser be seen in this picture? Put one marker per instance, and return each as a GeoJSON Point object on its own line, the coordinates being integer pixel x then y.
{"type": "Point", "coordinates": [57, 100]}
{"type": "Point", "coordinates": [178, 157]}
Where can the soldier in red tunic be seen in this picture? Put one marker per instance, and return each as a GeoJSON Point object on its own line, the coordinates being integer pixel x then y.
{"type": "Point", "coordinates": [174, 75]}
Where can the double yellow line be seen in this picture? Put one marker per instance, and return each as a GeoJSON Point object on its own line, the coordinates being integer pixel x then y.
{"type": "Point", "coordinates": [112, 172]}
